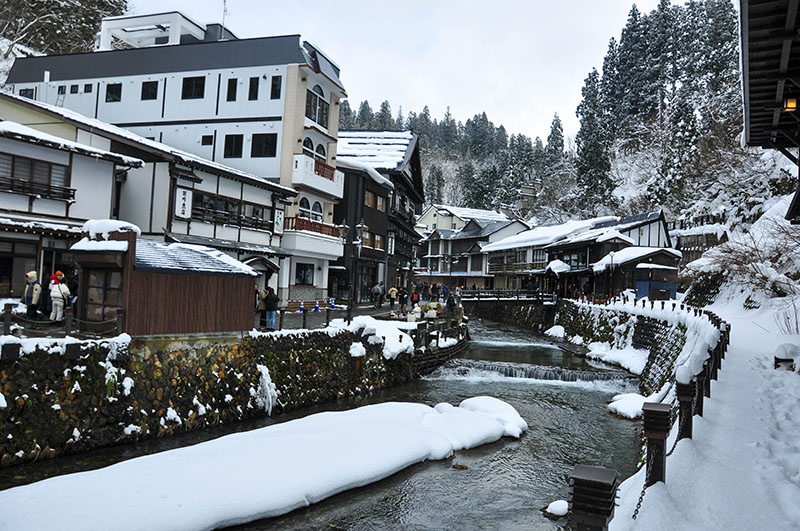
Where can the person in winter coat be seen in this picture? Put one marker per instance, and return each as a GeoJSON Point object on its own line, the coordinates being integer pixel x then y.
{"type": "Point", "coordinates": [262, 308]}
{"type": "Point", "coordinates": [392, 297]}
{"type": "Point", "coordinates": [377, 293]}
{"type": "Point", "coordinates": [33, 291]}
{"type": "Point", "coordinates": [450, 306]}
{"type": "Point", "coordinates": [402, 298]}
{"type": "Point", "coordinates": [59, 297]}
{"type": "Point", "coordinates": [271, 305]}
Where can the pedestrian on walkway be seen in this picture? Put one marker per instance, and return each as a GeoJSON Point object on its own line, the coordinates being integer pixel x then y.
{"type": "Point", "coordinates": [376, 295]}
{"type": "Point", "coordinates": [59, 296]}
{"type": "Point", "coordinates": [33, 291]}
{"type": "Point", "coordinates": [271, 304]}
{"type": "Point", "coordinates": [383, 294]}
{"type": "Point", "coordinates": [402, 297]}
{"type": "Point", "coordinates": [392, 297]}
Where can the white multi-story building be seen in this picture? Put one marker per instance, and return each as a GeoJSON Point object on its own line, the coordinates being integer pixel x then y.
{"type": "Point", "coordinates": [267, 106]}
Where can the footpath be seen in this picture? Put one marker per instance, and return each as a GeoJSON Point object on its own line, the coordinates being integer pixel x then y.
{"type": "Point", "coordinates": [741, 469]}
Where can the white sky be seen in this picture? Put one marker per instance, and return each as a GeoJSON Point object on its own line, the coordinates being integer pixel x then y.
{"type": "Point", "coordinates": [518, 60]}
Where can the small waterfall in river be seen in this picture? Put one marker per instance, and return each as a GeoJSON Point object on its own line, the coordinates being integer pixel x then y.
{"type": "Point", "coordinates": [534, 372]}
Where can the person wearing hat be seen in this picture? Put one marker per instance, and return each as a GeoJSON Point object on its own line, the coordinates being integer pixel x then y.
{"type": "Point", "coordinates": [59, 297]}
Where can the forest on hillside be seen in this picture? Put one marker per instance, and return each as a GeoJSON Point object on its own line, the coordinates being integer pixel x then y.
{"type": "Point", "coordinates": [660, 126]}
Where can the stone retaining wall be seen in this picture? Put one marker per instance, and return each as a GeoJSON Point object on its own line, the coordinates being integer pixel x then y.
{"type": "Point", "coordinates": [161, 386]}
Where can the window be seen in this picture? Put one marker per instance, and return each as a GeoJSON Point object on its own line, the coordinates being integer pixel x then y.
{"type": "Point", "coordinates": [316, 211]}
{"type": "Point", "coordinates": [320, 153]}
{"type": "Point", "coordinates": [369, 198]}
{"type": "Point", "coordinates": [390, 250]}
{"type": "Point", "coordinates": [233, 146]}
{"type": "Point", "coordinates": [379, 241]}
{"type": "Point", "coordinates": [206, 140]}
{"type": "Point", "coordinates": [317, 107]}
{"type": "Point", "coordinates": [304, 274]}
{"type": "Point", "coordinates": [73, 89]}
{"type": "Point", "coordinates": [366, 239]}
{"type": "Point", "coordinates": [26, 93]}
{"type": "Point", "coordinates": [232, 86]}
{"type": "Point", "coordinates": [275, 89]}
{"type": "Point", "coordinates": [87, 88]}
{"type": "Point", "coordinates": [264, 145]}
{"type": "Point", "coordinates": [521, 256]}
{"type": "Point", "coordinates": [194, 88]}
{"type": "Point", "coordinates": [305, 208]}
{"type": "Point", "coordinates": [308, 146]}
{"type": "Point", "coordinates": [149, 90]}
{"type": "Point", "coordinates": [381, 204]}
{"type": "Point", "coordinates": [113, 92]}
{"type": "Point", "coordinates": [252, 94]}
{"type": "Point", "coordinates": [103, 294]}
{"type": "Point", "coordinates": [62, 89]}
{"type": "Point", "coordinates": [34, 177]}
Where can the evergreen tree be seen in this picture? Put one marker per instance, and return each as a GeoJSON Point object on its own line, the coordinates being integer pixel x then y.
{"type": "Point", "coordinates": [611, 89]}
{"type": "Point", "coordinates": [434, 185]}
{"type": "Point", "coordinates": [447, 135]}
{"type": "Point", "coordinates": [424, 127]}
{"type": "Point", "coordinates": [347, 119]}
{"type": "Point", "coordinates": [383, 120]}
{"type": "Point", "coordinates": [365, 120]}
{"type": "Point", "coordinates": [554, 151]}
{"type": "Point", "coordinates": [538, 161]}
{"type": "Point", "coordinates": [592, 163]}
{"type": "Point", "coordinates": [632, 67]}
{"type": "Point", "coordinates": [56, 27]}
{"type": "Point", "coordinates": [400, 121]}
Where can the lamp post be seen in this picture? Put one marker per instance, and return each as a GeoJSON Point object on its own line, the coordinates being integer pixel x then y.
{"type": "Point", "coordinates": [611, 275]}
{"type": "Point", "coordinates": [354, 241]}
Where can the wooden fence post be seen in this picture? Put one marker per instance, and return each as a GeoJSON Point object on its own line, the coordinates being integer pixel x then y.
{"type": "Point", "coordinates": [280, 323]}
{"type": "Point", "coordinates": [305, 318]}
{"type": "Point", "coordinates": [686, 394]}
{"type": "Point", "coordinates": [120, 320]}
{"type": "Point", "coordinates": [7, 319]}
{"type": "Point", "coordinates": [327, 317]}
{"type": "Point", "coordinates": [67, 321]}
{"type": "Point", "coordinates": [699, 392]}
{"type": "Point", "coordinates": [593, 494]}
{"type": "Point", "coordinates": [656, 429]}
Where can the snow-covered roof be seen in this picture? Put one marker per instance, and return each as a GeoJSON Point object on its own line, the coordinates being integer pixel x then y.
{"type": "Point", "coordinates": [40, 225]}
{"type": "Point", "coordinates": [472, 213]}
{"type": "Point", "coordinates": [631, 254]}
{"type": "Point", "coordinates": [655, 266]}
{"type": "Point", "coordinates": [557, 266]}
{"type": "Point", "coordinates": [717, 229]}
{"type": "Point", "coordinates": [183, 157]}
{"type": "Point", "coordinates": [186, 258]}
{"type": "Point", "coordinates": [15, 131]}
{"type": "Point", "coordinates": [103, 227]}
{"type": "Point", "coordinates": [352, 163]}
{"type": "Point", "coordinates": [376, 149]}
{"type": "Point", "coordinates": [540, 236]}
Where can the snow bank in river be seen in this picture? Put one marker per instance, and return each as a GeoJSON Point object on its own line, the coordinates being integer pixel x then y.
{"type": "Point", "coordinates": [260, 473]}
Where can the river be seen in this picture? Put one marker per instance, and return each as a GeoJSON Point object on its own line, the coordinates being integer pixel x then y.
{"type": "Point", "coordinates": [504, 485]}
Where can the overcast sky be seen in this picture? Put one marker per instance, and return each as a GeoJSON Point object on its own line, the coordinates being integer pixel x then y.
{"type": "Point", "coordinates": [519, 61]}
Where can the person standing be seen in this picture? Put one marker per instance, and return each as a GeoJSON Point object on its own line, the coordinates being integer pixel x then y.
{"type": "Point", "coordinates": [402, 298]}
{"type": "Point", "coordinates": [383, 295]}
{"type": "Point", "coordinates": [262, 308]}
{"type": "Point", "coordinates": [376, 295]}
{"type": "Point", "coordinates": [392, 297]}
{"type": "Point", "coordinates": [459, 293]}
{"type": "Point", "coordinates": [33, 291]}
{"type": "Point", "coordinates": [271, 303]}
{"type": "Point", "coordinates": [59, 295]}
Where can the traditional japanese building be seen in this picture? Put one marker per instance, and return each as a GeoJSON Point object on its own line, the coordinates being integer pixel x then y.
{"type": "Point", "coordinates": [395, 155]}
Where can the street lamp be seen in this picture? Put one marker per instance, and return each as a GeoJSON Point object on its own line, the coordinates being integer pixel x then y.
{"type": "Point", "coordinates": [611, 282]}
{"type": "Point", "coordinates": [354, 240]}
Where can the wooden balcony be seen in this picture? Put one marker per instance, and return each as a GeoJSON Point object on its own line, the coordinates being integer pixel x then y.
{"type": "Point", "coordinates": [309, 225]}
{"type": "Point", "coordinates": [33, 189]}
{"type": "Point", "coordinates": [323, 170]}
{"type": "Point", "coordinates": [309, 172]}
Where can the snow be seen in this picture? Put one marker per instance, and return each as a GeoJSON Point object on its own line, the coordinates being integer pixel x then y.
{"type": "Point", "coordinates": [259, 473]}
{"type": "Point", "coordinates": [394, 340]}
{"type": "Point", "coordinates": [127, 385]}
{"type": "Point", "coordinates": [42, 225]}
{"type": "Point", "coordinates": [357, 350]}
{"type": "Point", "coordinates": [630, 254]}
{"type": "Point", "coordinates": [558, 508]}
{"type": "Point", "coordinates": [188, 258]}
{"type": "Point", "coordinates": [743, 458]}
{"type": "Point", "coordinates": [58, 345]}
{"type": "Point", "coordinates": [267, 394]}
{"type": "Point", "coordinates": [100, 245]}
{"type": "Point", "coordinates": [104, 227]}
{"type": "Point", "coordinates": [555, 331]}
{"type": "Point", "coordinates": [788, 351]}
{"type": "Point", "coordinates": [3, 402]}
{"type": "Point", "coordinates": [557, 267]}
{"type": "Point", "coordinates": [356, 164]}
{"type": "Point", "coordinates": [376, 149]}
{"type": "Point", "coordinates": [655, 266]}
{"type": "Point", "coordinates": [717, 229]}
{"type": "Point", "coordinates": [547, 234]}
{"type": "Point", "coordinates": [17, 131]}
{"type": "Point", "coordinates": [629, 358]}
{"type": "Point", "coordinates": [614, 234]}
{"type": "Point", "coordinates": [467, 214]}
{"type": "Point", "coordinates": [630, 405]}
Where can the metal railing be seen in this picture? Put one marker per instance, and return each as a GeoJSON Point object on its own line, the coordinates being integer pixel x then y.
{"type": "Point", "coordinates": [496, 294]}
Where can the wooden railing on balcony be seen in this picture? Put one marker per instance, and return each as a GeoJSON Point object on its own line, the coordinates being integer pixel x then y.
{"type": "Point", "coordinates": [512, 268]}
{"type": "Point", "coordinates": [46, 191]}
{"type": "Point", "coordinates": [297, 223]}
{"type": "Point", "coordinates": [323, 170]}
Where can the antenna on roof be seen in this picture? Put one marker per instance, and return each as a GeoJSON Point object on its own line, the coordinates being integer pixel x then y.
{"type": "Point", "coordinates": [224, 12]}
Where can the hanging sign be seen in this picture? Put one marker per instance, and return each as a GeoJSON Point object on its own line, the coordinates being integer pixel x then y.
{"type": "Point", "coordinates": [183, 203]}
{"type": "Point", "coordinates": [278, 226]}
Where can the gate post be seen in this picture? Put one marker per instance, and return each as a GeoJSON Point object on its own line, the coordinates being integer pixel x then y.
{"type": "Point", "coordinates": [7, 319]}
{"type": "Point", "coordinates": [593, 494]}
{"type": "Point", "coordinates": [686, 394]}
{"type": "Point", "coordinates": [656, 429]}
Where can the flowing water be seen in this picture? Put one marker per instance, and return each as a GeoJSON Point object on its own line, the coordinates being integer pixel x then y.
{"type": "Point", "coordinates": [562, 397]}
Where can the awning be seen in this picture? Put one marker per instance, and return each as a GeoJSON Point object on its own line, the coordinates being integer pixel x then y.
{"type": "Point", "coordinates": [272, 266]}
{"type": "Point", "coordinates": [226, 245]}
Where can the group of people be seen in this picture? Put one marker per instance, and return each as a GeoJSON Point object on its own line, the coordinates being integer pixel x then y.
{"type": "Point", "coordinates": [267, 307]}
{"type": "Point", "coordinates": [50, 300]}
{"type": "Point", "coordinates": [394, 295]}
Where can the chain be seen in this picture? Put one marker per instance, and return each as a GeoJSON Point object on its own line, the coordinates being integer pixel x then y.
{"type": "Point", "coordinates": [644, 489]}
{"type": "Point", "coordinates": [677, 417]}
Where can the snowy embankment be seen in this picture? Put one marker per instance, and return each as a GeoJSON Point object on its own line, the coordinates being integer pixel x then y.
{"type": "Point", "coordinates": [260, 473]}
{"type": "Point", "coordinates": [741, 469]}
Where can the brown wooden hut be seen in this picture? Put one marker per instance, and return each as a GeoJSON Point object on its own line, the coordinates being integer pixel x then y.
{"type": "Point", "coordinates": [160, 288]}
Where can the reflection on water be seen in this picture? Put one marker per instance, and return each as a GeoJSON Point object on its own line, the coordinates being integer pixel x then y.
{"type": "Point", "coordinates": [505, 484]}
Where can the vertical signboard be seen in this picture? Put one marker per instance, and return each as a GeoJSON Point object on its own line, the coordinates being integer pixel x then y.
{"type": "Point", "coordinates": [278, 226]}
{"type": "Point", "coordinates": [183, 203]}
